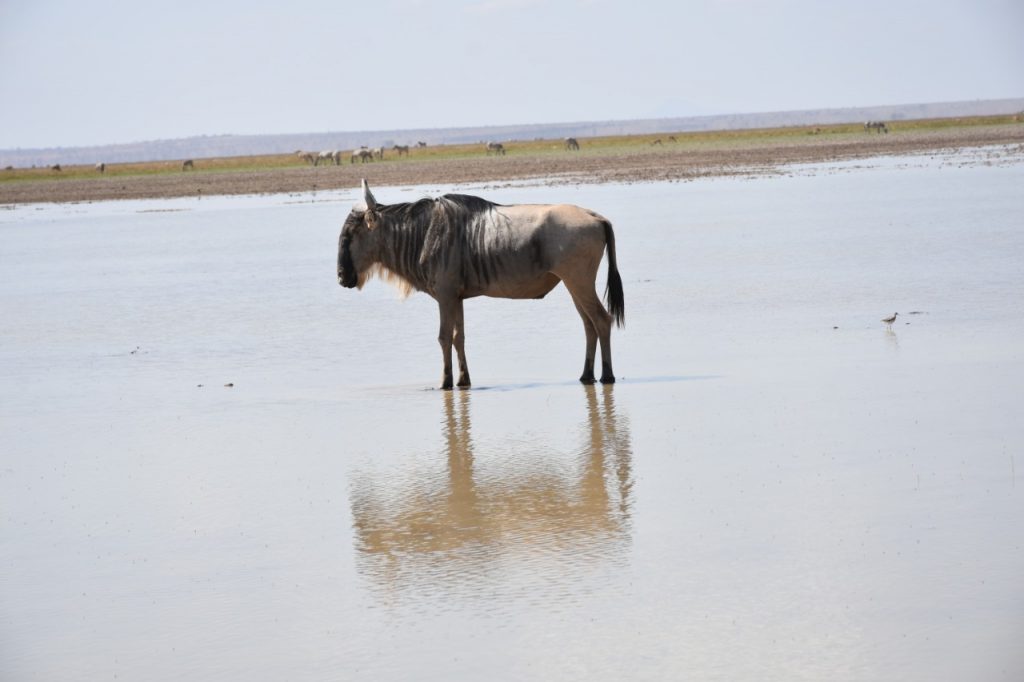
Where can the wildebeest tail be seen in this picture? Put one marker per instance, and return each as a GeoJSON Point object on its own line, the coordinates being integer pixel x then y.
{"type": "Point", "coordinates": [613, 296]}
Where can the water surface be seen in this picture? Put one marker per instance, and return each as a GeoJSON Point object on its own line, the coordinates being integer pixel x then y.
{"type": "Point", "coordinates": [779, 486]}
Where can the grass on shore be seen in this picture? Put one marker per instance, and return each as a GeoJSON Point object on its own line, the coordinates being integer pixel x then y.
{"type": "Point", "coordinates": [618, 144]}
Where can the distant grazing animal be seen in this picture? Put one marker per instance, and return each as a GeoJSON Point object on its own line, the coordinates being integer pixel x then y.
{"type": "Point", "coordinates": [324, 157]}
{"type": "Point", "coordinates": [7, 168]}
{"type": "Point", "coordinates": [101, 167]}
{"type": "Point", "coordinates": [308, 157]}
{"type": "Point", "coordinates": [877, 126]}
{"type": "Point", "coordinates": [401, 149]}
{"type": "Point", "coordinates": [421, 144]}
{"type": "Point", "coordinates": [672, 138]}
{"type": "Point", "coordinates": [457, 247]}
{"type": "Point", "coordinates": [656, 142]}
{"type": "Point", "coordinates": [187, 164]}
{"type": "Point", "coordinates": [55, 167]}
{"type": "Point", "coordinates": [336, 157]}
{"type": "Point", "coordinates": [378, 153]}
{"type": "Point", "coordinates": [363, 155]}
{"type": "Point", "coordinates": [572, 144]}
{"type": "Point", "coordinates": [495, 148]}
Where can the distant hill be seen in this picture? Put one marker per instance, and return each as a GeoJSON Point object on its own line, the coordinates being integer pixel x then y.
{"type": "Point", "coordinates": [245, 145]}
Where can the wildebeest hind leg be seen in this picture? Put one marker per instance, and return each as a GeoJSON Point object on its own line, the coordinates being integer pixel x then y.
{"type": "Point", "coordinates": [591, 309]}
{"type": "Point", "coordinates": [588, 328]}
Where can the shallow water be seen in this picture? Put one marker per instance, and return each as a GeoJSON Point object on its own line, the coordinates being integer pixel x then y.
{"type": "Point", "coordinates": [779, 487]}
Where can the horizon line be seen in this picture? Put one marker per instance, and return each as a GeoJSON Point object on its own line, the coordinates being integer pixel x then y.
{"type": "Point", "coordinates": [606, 121]}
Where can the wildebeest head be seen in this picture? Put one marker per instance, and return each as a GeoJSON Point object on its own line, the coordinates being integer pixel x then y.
{"type": "Point", "coordinates": [357, 243]}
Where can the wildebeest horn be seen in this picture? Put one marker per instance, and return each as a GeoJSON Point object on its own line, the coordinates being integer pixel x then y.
{"type": "Point", "coordinates": [371, 203]}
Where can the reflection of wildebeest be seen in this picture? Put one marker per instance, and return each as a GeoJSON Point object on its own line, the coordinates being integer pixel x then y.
{"type": "Point", "coordinates": [495, 148]}
{"type": "Point", "coordinates": [571, 144]}
{"type": "Point", "coordinates": [878, 126]}
{"type": "Point", "coordinates": [101, 167]}
{"type": "Point", "coordinates": [401, 149]}
{"type": "Point", "coordinates": [458, 247]}
{"type": "Point", "coordinates": [187, 164]}
{"type": "Point", "coordinates": [477, 508]}
{"type": "Point", "coordinates": [362, 154]}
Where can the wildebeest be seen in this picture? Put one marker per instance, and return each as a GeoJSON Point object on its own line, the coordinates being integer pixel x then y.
{"type": "Point", "coordinates": [656, 142]}
{"type": "Point", "coordinates": [362, 154]}
{"type": "Point", "coordinates": [495, 148]}
{"type": "Point", "coordinates": [878, 126]}
{"type": "Point", "coordinates": [308, 157]}
{"type": "Point", "coordinates": [401, 149]}
{"type": "Point", "coordinates": [187, 164]}
{"type": "Point", "coordinates": [572, 144]}
{"type": "Point", "coordinates": [101, 167]}
{"type": "Point", "coordinates": [378, 153]}
{"type": "Point", "coordinates": [421, 144]}
{"type": "Point", "coordinates": [457, 247]}
{"type": "Point", "coordinates": [55, 167]}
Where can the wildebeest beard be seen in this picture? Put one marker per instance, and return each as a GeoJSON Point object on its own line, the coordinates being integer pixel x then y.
{"type": "Point", "coordinates": [347, 275]}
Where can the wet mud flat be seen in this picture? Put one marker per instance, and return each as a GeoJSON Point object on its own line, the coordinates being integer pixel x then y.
{"type": "Point", "coordinates": [779, 486]}
{"type": "Point", "coordinates": [666, 162]}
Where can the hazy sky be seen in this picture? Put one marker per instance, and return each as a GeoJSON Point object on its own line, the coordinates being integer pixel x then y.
{"type": "Point", "coordinates": [79, 72]}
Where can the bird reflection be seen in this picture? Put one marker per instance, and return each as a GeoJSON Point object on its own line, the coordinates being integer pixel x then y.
{"type": "Point", "coordinates": [511, 503]}
{"type": "Point", "coordinates": [890, 336]}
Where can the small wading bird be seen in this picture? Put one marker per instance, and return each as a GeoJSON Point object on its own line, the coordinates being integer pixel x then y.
{"type": "Point", "coordinates": [890, 320]}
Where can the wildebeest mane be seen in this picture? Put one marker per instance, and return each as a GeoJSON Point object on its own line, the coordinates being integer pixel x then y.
{"type": "Point", "coordinates": [425, 235]}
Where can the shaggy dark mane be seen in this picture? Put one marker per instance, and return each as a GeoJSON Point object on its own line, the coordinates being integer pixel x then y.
{"type": "Point", "coordinates": [464, 205]}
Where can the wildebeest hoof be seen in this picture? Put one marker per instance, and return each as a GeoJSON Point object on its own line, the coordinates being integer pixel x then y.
{"type": "Point", "coordinates": [587, 379]}
{"type": "Point", "coordinates": [608, 380]}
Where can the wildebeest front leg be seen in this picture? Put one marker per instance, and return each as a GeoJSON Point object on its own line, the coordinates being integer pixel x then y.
{"type": "Point", "coordinates": [460, 345]}
{"type": "Point", "coordinates": [445, 337]}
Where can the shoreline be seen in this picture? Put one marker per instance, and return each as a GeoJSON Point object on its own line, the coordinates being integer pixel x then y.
{"type": "Point", "coordinates": [641, 162]}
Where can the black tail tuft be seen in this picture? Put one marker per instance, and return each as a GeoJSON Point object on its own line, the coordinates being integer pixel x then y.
{"type": "Point", "coordinates": [613, 295]}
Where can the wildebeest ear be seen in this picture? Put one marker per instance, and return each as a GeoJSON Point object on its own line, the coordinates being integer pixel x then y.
{"type": "Point", "coordinates": [371, 203]}
{"type": "Point", "coordinates": [370, 216]}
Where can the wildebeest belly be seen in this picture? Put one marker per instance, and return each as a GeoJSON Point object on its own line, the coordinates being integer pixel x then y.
{"type": "Point", "coordinates": [533, 287]}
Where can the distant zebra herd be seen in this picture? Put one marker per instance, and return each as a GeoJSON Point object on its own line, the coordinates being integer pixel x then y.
{"type": "Point", "coordinates": [362, 155]}
{"type": "Point", "coordinates": [367, 154]}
